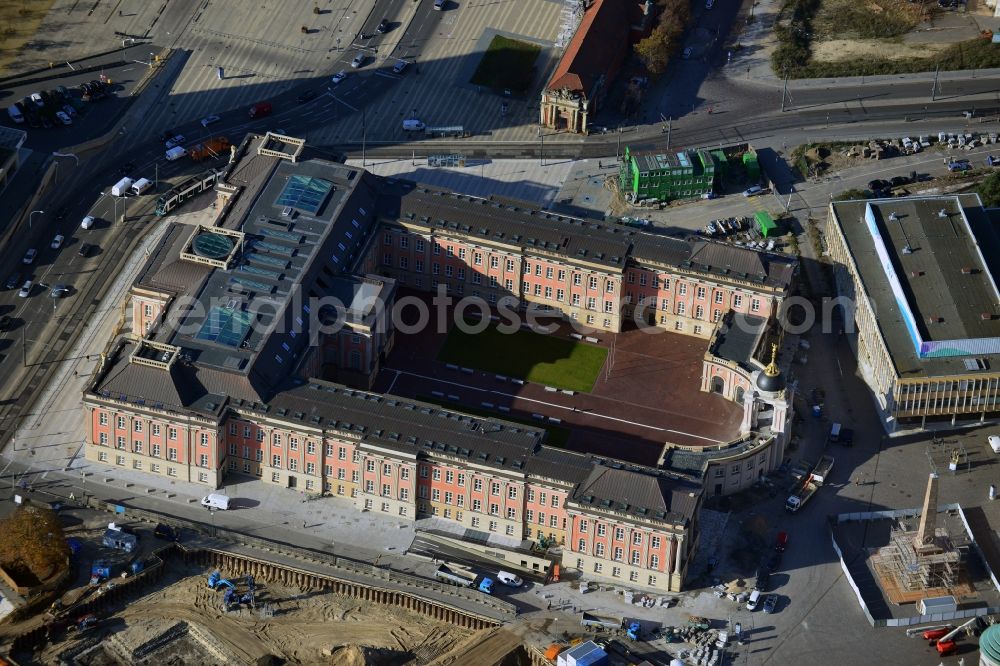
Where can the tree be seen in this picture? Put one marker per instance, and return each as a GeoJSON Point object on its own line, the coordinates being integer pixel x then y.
{"type": "Point", "coordinates": [655, 51]}
{"type": "Point", "coordinates": [32, 541]}
{"type": "Point", "coordinates": [989, 190]}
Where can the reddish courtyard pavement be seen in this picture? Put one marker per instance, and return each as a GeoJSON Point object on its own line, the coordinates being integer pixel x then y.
{"type": "Point", "coordinates": [646, 396]}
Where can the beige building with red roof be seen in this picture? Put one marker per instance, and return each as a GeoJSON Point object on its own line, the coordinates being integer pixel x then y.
{"type": "Point", "coordinates": [584, 75]}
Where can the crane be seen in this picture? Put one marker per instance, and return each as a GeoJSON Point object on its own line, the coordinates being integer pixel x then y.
{"type": "Point", "coordinates": [945, 645]}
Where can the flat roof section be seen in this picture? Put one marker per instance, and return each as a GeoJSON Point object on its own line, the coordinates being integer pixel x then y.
{"type": "Point", "coordinates": [931, 298]}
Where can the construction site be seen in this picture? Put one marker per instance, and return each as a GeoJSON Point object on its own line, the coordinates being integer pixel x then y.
{"type": "Point", "coordinates": [137, 600]}
{"type": "Point", "coordinates": [908, 564]}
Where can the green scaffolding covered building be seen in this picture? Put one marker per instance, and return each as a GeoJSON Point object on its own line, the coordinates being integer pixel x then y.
{"type": "Point", "coordinates": [664, 177]}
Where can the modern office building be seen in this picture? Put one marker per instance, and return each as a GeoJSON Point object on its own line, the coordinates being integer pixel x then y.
{"type": "Point", "coordinates": [233, 322]}
{"type": "Point", "coordinates": [664, 176]}
{"type": "Point", "coordinates": [917, 276]}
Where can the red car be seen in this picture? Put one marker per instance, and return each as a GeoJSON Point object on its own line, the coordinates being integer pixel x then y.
{"type": "Point", "coordinates": [934, 634]}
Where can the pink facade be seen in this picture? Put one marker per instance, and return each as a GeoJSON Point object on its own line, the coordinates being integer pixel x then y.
{"type": "Point", "coordinates": [591, 294]}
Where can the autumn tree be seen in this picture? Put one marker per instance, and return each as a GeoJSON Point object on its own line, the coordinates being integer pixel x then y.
{"type": "Point", "coordinates": [668, 35]}
{"type": "Point", "coordinates": [32, 542]}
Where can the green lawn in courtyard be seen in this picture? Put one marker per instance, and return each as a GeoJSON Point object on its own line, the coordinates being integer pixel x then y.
{"type": "Point", "coordinates": [543, 359]}
{"type": "Point", "coordinates": [508, 64]}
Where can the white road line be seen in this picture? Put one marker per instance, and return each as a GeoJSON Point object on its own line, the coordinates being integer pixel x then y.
{"type": "Point", "coordinates": [343, 102]}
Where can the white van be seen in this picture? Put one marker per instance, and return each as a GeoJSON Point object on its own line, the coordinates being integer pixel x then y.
{"type": "Point", "coordinates": [835, 432]}
{"type": "Point", "coordinates": [994, 443]}
{"type": "Point", "coordinates": [507, 578]}
{"type": "Point", "coordinates": [753, 600]}
{"type": "Point", "coordinates": [215, 501]}
{"type": "Point", "coordinates": [175, 153]}
{"type": "Point", "coordinates": [15, 114]}
{"type": "Point", "coordinates": [121, 188]}
{"type": "Point", "coordinates": [413, 125]}
{"type": "Point", "coordinates": [141, 186]}
{"type": "Point", "coordinates": [88, 222]}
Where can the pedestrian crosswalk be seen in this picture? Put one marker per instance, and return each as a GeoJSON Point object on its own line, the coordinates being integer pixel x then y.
{"type": "Point", "coordinates": [266, 53]}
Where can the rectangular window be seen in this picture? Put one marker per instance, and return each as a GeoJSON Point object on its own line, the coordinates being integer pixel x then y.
{"type": "Point", "coordinates": [203, 460]}
{"type": "Point", "coordinates": [477, 485]}
{"type": "Point", "coordinates": [602, 529]}
{"type": "Point", "coordinates": [512, 492]}
{"type": "Point", "coordinates": [293, 464]}
{"type": "Point", "coordinates": [461, 480]}
{"type": "Point", "coordinates": [276, 460]}
{"type": "Point", "coordinates": [699, 293]}
{"type": "Point", "coordinates": [511, 513]}
{"type": "Point", "coordinates": [172, 454]}
{"type": "Point", "coordinates": [404, 473]}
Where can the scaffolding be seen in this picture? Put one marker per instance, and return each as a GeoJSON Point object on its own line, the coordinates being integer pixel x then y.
{"type": "Point", "coordinates": [569, 21]}
{"type": "Point", "coordinates": [921, 566]}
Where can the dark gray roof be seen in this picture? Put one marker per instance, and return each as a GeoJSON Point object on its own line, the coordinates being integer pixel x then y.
{"type": "Point", "coordinates": [695, 462]}
{"type": "Point", "coordinates": [623, 490]}
{"type": "Point", "coordinates": [390, 422]}
{"type": "Point", "coordinates": [574, 240]}
{"type": "Point", "coordinates": [493, 222]}
{"type": "Point", "coordinates": [947, 278]}
{"type": "Point", "coordinates": [723, 261]}
{"type": "Point", "coordinates": [164, 270]}
{"type": "Point", "coordinates": [737, 337]}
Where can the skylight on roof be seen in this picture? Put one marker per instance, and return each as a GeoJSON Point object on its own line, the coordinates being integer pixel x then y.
{"type": "Point", "coordinates": [225, 326]}
{"type": "Point", "coordinates": [304, 193]}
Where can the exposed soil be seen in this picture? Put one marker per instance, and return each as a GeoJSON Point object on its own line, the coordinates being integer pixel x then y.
{"type": "Point", "coordinates": [850, 49]}
{"type": "Point", "coordinates": [307, 627]}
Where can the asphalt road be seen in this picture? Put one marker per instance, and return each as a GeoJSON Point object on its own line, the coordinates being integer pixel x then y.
{"type": "Point", "coordinates": [125, 69]}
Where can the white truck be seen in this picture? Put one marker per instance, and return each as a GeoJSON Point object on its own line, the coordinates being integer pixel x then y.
{"type": "Point", "coordinates": [413, 125]}
{"type": "Point", "coordinates": [122, 187]}
{"type": "Point", "coordinates": [141, 185]}
{"type": "Point", "coordinates": [175, 153]}
{"type": "Point", "coordinates": [810, 485]}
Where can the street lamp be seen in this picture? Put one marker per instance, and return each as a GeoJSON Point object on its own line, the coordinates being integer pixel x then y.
{"type": "Point", "coordinates": [31, 217]}
{"type": "Point", "coordinates": [541, 148]}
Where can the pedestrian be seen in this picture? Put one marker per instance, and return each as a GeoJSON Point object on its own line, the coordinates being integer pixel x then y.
{"type": "Point", "coordinates": [857, 481]}
{"type": "Point", "coordinates": [303, 524]}
{"type": "Point", "coordinates": [549, 607]}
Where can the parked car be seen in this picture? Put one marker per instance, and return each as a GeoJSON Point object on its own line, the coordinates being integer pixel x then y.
{"type": "Point", "coordinates": [57, 242]}
{"type": "Point", "coordinates": [70, 111]}
{"type": "Point", "coordinates": [208, 120]}
{"type": "Point", "coordinates": [338, 77]}
{"type": "Point", "coordinates": [12, 281]}
{"type": "Point", "coordinates": [26, 289]}
{"type": "Point", "coordinates": [383, 27]}
{"type": "Point", "coordinates": [897, 181]}
{"type": "Point", "coordinates": [753, 191]}
{"type": "Point", "coordinates": [64, 118]}
{"type": "Point", "coordinates": [85, 250]}
{"type": "Point", "coordinates": [358, 60]}
{"type": "Point", "coordinates": [770, 603]}
{"type": "Point", "coordinates": [307, 95]}
{"type": "Point", "coordinates": [175, 141]}
{"type": "Point", "coordinates": [29, 256]}
{"type": "Point", "coordinates": [399, 67]}
{"type": "Point", "coordinates": [847, 437]}
{"type": "Point", "coordinates": [994, 443]}
{"type": "Point", "coordinates": [59, 291]}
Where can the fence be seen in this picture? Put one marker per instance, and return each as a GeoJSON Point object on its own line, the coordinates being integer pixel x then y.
{"type": "Point", "coordinates": [416, 585]}
{"type": "Point", "coordinates": [915, 619]}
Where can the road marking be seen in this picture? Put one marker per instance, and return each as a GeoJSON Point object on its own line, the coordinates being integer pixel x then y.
{"type": "Point", "coordinates": [342, 102]}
